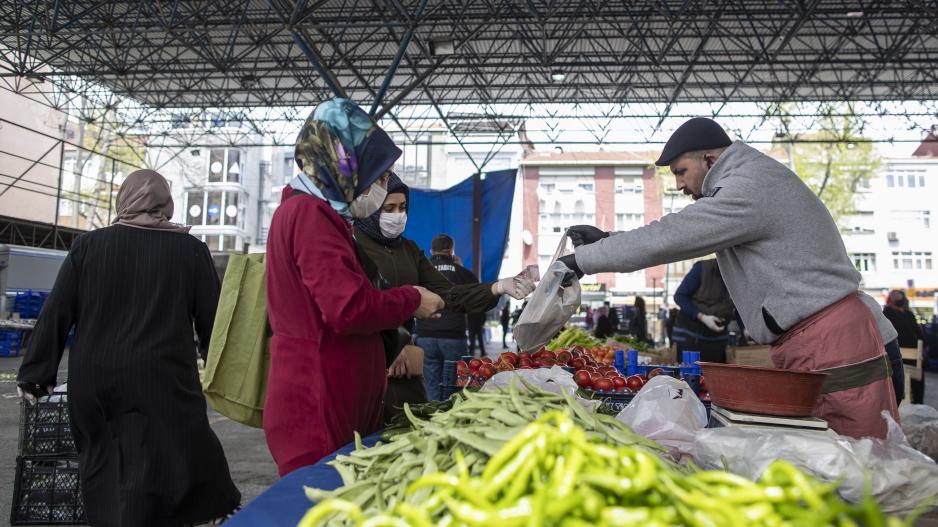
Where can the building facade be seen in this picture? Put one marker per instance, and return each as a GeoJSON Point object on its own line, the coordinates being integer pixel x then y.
{"type": "Point", "coordinates": [891, 237]}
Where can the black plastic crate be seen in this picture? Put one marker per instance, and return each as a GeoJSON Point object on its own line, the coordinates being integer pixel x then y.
{"type": "Point", "coordinates": [47, 492]}
{"type": "Point", "coordinates": [45, 428]}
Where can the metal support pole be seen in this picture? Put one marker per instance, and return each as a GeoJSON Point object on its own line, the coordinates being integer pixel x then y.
{"type": "Point", "coordinates": [397, 61]}
{"type": "Point", "coordinates": [58, 196]}
{"type": "Point", "coordinates": [316, 60]}
{"type": "Point", "coordinates": [477, 224]}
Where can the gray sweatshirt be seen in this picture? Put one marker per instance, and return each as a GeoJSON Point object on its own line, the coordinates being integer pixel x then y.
{"type": "Point", "coordinates": [779, 250]}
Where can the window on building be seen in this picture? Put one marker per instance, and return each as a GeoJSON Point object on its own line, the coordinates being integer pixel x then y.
{"type": "Point", "coordinates": [921, 181]}
{"type": "Point", "coordinates": [289, 169]}
{"type": "Point", "coordinates": [912, 260]}
{"type": "Point", "coordinates": [216, 165]}
{"type": "Point", "coordinates": [224, 165]}
{"type": "Point", "coordinates": [413, 167]}
{"type": "Point", "coordinates": [213, 241]}
{"type": "Point", "coordinates": [213, 208]}
{"type": "Point", "coordinates": [232, 213]}
{"type": "Point", "coordinates": [890, 180]}
{"type": "Point", "coordinates": [234, 166]}
{"type": "Point", "coordinates": [864, 262]}
{"type": "Point", "coordinates": [548, 187]}
{"type": "Point", "coordinates": [588, 187]}
{"type": "Point", "coordinates": [229, 243]}
{"type": "Point", "coordinates": [911, 180]}
{"type": "Point", "coordinates": [195, 207]}
{"type": "Point", "coordinates": [901, 181]}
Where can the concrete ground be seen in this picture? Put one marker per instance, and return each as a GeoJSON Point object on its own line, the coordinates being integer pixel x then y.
{"type": "Point", "coordinates": [252, 468]}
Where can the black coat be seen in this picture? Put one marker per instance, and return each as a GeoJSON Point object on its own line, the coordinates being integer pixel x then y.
{"type": "Point", "coordinates": [147, 455]}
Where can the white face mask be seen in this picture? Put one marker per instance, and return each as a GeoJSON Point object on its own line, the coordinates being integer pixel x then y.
{"type": "Point", "coordinates": [392, 224]}
{"type": "Point", "coordinates": [367, 204]}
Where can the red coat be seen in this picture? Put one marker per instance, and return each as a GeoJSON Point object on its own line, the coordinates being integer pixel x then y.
{"type": "Point", "coordinates": [327, 372]}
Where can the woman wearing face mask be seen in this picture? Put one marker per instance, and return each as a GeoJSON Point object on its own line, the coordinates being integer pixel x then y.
{"type": "Point", "coordinates": [401, 262]}
{"type": "Point", "coordinates": [327, 361]}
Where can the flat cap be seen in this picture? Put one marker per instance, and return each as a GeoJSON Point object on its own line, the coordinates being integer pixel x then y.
{"type": "Point", "coordinates": [698, 133]}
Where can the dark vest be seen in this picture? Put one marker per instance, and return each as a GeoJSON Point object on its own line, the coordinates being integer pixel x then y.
{"type": "Point", "coordinates": [712, 297]}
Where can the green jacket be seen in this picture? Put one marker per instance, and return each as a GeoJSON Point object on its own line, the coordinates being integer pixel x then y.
{"type": "Point", "coordinates": [407, 265]}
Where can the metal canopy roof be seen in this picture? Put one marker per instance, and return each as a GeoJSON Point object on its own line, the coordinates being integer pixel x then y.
{"type": "Point", "coordinates": [244, 53]}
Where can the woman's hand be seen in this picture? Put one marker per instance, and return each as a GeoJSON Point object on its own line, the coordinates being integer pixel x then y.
{"type": "Point", "coordinates": [430, 304]}
{"type": "Point", "coordinates": [409, 363]}
{"type": "Point", "coordinates": [31, 392]}
{"type": "Point", "coordinates": [398, 368]}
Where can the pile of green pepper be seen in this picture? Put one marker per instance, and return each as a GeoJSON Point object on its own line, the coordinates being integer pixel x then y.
{"type": "Point", "coordinates": [478, 424]}
{"type": "Point", "coordinates": [555, 473]}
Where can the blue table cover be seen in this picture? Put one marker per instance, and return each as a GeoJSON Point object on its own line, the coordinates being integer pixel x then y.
{"type": "Point", "coordinates": [284, 503]}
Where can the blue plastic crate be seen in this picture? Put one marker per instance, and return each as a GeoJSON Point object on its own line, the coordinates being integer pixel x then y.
{"type": "Point", "coordinates": [29, 303]}
{"type": "Point", "coordinates": [11, 340]}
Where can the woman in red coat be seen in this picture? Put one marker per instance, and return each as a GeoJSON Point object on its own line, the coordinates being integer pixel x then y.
{"type": "Point", "coordinates": [327, 365]}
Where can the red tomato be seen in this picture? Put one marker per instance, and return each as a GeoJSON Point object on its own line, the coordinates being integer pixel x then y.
{"type": "Point", "coordinates": [462, 368]}
{"type": "Point", "coordinates": [487, 370]}
{"type": "Point", "coordinates": [634, 382]}
{"type": "Point", "coordinates": [602, 385]}
{"type": "Point", "coordinates": [503, 366]}
{"type": "Point", "coordinates": [474, 365]}
{"type": "Point", "coordinates": [582, 379]}
{"type": "Point", "coordinates": [564, 357]}
{"type": "Point", "coordinates": [618, 382]}
{"type": "Point", "coordinates": [488, 360]}
{"type": "Point", "coordinates": [509, 357]}
{"type": "Point", "coordinates": [577, 364]}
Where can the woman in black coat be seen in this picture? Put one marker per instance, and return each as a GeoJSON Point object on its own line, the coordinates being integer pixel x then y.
{"type": "Point", "coordinates": [134, 291]}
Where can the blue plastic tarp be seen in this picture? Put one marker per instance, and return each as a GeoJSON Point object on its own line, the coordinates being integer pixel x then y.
{"type": "Point", "coordinates": [449, 211]}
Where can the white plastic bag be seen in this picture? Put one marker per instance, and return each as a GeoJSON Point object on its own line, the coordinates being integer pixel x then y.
{"type": "Point", "coordinates": [901, 476]}
{"type": "Point", "coordinates": [550, 307]}
{"type": "Point", "coordinates": [668, 411]}
{"type": "Point", "coordinates": [920, 424]}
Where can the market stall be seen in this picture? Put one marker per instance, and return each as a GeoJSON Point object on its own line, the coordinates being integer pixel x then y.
{"type": "Point", "coordinates": [531, 443]}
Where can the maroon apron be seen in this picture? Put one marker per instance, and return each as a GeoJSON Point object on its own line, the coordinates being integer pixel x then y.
{"type": "Point", "coordinates": [841, 334]}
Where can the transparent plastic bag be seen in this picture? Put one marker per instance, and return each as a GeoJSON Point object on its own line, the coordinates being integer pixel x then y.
{"type": "Point", "coordinates": [900, 477]}
{"type": "Point", "coordinates": [668, 411]}
{"type": "Point", "coordinates": [920, 424]}
{"type": "Point", "coordinates": [551, 305]}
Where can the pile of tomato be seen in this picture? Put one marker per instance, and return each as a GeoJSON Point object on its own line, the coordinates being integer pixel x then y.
{"type": "Point", "coordinates": [592, 368]}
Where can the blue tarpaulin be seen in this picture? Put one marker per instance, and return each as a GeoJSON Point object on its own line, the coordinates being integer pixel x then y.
{"type": "Point", "coordinates": [449, 211]}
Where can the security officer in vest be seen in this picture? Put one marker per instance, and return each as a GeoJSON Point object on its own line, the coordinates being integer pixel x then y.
{"type": "Point", "coordinates": [706, 309]}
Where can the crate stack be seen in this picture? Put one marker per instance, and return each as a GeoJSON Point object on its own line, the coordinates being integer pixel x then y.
{"type": "Point", "coordinates": [11, 341]}
{"type": "Point", "coordinates": [29, 303]}
{"type": "Point", "coordinates": [47, 489]}
{"type": "Point", "coordinates": [26, 305]}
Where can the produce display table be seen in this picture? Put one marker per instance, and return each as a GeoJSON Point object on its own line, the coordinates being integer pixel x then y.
{"type": "Point", "coordinates": [284, 503]}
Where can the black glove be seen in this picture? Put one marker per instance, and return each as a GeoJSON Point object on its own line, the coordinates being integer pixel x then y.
{"type": "Point", "coordinates": [585, 235]}
{"type": "Point", "coordinates": [570, 261]}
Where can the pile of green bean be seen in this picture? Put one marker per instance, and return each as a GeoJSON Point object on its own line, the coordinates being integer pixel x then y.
{"type": "Point", "coordinates": [478, 424]}
{"type": "Point", "coordinates": [553, 473]}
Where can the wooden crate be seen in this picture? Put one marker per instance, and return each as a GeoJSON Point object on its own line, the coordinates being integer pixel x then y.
{"type": "Point", "coordinates": [750, 355]}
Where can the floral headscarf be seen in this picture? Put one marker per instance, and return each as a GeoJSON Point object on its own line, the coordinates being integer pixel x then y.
{"type": "Point", "coordinates": [342, 151]}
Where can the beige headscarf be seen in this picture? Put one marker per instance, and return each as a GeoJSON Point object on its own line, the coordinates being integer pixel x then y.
{"type": "Point", "coordinates": [145, 201]}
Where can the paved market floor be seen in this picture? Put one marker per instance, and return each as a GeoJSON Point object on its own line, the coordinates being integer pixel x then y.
{"type": "Point", "coordinates": [252, 468]}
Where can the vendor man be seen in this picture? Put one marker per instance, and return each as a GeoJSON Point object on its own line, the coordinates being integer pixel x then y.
{"type": "Point", "coordinates": [783, 261]}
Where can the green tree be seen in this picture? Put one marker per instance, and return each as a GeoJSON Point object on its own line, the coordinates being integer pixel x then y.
{"type": "Point", "coordinates": [833, 161]}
